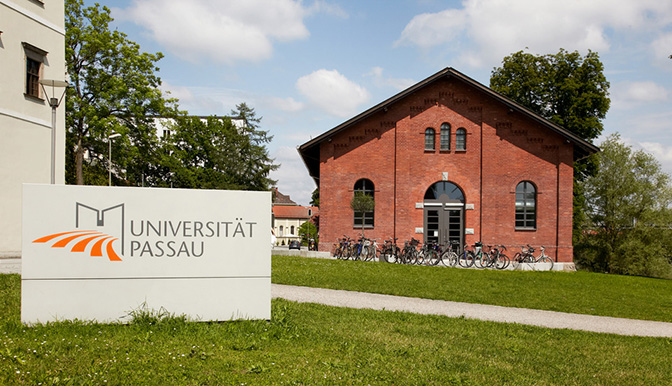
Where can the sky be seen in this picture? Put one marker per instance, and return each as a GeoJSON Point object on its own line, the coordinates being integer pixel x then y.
{"type": "Point", "coordinates": [307, 66]}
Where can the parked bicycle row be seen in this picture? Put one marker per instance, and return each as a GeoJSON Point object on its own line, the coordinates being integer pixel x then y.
{"type": "Point", "coordinates": [412, 252]}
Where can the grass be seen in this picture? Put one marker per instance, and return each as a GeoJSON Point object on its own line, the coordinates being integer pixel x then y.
{"type": "Point", "coordinates": [576, 292]}
{"type": "Point", "coordinates": [309, 344]}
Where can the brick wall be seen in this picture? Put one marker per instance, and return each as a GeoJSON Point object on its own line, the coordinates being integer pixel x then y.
{"type": "Point", "coordinates": [503, 148]}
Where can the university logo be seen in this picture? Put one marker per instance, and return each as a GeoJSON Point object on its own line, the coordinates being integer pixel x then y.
{"type": "Point", "coordinates": [103, 228]}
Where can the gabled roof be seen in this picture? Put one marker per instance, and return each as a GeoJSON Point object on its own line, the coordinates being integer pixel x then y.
{"type": "Point", "coordinates": [310, 151]}
{"type": "Point", "coordinates": [301, 212]}
{"type": "Point", "coordinates": [282, 199]}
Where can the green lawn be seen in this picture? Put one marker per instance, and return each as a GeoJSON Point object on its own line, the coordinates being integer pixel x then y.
{"type": "Point", "coordinates": [309, 344]}
{"type": "Point", "coordinates": [577, 292]}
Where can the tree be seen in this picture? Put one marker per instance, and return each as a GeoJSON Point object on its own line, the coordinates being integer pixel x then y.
{"type": "Point", "coordinates": [362, 203]}
{"type": "Point", "coordinates": [255, 163]}
{"type": "Point", "coordinates": [315, 198]}
{"type": "Point", "coordinates": [115, 89]}
{"type": "Point", "coordinates": [629, 203]}
{"type": "Point", "coordinates": [564, 88]}
{"type": "Point", "coordinates": [214, 153]}
{"type": "Point", "coordinates": [308, 231]}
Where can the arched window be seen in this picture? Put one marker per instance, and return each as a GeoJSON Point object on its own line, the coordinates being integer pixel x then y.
{"type": "Point", "coordinates": [364, 186]}
{"type": "Point", "coordinates": [282, 231]}
{"type": "Point", "coordinates": [461, 139]}
{"type": "Point", "coordinates": [526, 206]}
{"type": "Point", "coordinates": [291, 232]}
{"type": "Point", "coordinates": [452, 192]}
{"type": "Point", "coordinates": [445, 136]}
{"type": "Point", "coordinates": [429, 139]}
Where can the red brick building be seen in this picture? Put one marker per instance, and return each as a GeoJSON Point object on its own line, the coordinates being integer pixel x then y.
{"type": "Point", "coordinates": [449, 159]}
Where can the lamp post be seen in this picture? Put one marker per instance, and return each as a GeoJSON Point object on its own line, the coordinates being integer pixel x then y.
{"type": "Point", "coordinates": [53, 102]}
{"type": "Point", "coordinates": [109, 155]}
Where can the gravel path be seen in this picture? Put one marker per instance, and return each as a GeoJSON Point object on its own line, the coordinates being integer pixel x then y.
{"type": "Point", "coordinates": [550, 319]}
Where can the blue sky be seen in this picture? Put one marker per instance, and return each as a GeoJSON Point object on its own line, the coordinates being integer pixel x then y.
{"type": "Point", "coordinates": [306, 66]}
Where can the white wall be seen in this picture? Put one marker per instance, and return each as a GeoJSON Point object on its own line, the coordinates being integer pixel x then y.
{"type": "Point", "coordinates": [25, 123]}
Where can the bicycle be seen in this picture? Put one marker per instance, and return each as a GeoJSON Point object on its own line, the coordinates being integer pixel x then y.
{"type": "Point", "coordinates": [495, 258]}
{"type": "Point", "coordinates": [527, 256]}
{"type": "Point", "coordinates": [430, 254]}
{"type": "Point", "coordinates": [467, 256]}
{"type": "Point", "coordinates": [390, 251]}
{"type": "Point", "coordinates": [449, 256]}
{"type": "Point", "coordinates": [409, 255]}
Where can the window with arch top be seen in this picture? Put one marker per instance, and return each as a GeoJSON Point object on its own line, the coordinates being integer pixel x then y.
{"type": "Point", "coordinates": [526, 206]}
{"type": "Point", "coordinates": [461, 139]}
{"type": "Point", "coordinates": [430, 139]}
{"type": "Point", "coordinates": [445, 136]}
{"type": "Point", "coordinates": [364, 219]}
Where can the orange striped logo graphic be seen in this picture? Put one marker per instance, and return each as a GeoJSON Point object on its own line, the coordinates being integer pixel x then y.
{"type": "Point", "coordinates": [80, 240]}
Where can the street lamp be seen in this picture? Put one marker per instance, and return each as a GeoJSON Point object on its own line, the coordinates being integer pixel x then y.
{"type": "Point", "coordinates": [109, 155]}
{"type": "Point", "coordinates": [53, 102]}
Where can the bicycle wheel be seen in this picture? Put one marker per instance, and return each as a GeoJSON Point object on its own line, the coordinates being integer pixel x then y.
{"type": "Point", "coordinates": [347, 252]}
{"type": "Point", "coordinates": [449, 259]}
{"type": "Point", "coordinates": [516, 260]}
{"type": "Point", "coordinates": [420, 257]}
{"type": "Point", "coordinates": [547, 264]}
{"type": "Point", "coordinates": [502, 261]}
{"type": "Point", "coordinates": [410, 256]}
{"type": "Point", "coordinates": [467, 259]}
{"type": "Point", "coordinates": [480, 261]}
{"type": "Point", "coordinates": [432, 257]}
{"type": "Point", "coordinates": [388, 255]}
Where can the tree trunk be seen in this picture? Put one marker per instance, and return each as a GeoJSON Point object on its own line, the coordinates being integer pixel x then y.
{"type": "Point", "coordinates": [79, 159]}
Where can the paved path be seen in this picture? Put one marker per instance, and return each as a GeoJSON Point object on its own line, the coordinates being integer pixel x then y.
{"type": "Point", "coordinates": [548, 319]}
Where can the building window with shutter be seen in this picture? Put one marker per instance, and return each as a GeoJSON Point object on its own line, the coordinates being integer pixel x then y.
{"type": "Point", "coordinates": [35, 58]}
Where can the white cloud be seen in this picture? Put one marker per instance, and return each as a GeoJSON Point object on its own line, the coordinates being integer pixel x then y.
{"type": "Point", "coordinates": [381, 81]}
{"type": "Point", "coordinates": [333, 92]}
{"type": "Point", "coordinates": [285, 104]}
{"type": "Point", "coordinates": [626, 95]}
{"type": "Point", "coordinates": [320, 6]}
{"type": "Point", "coordinates": [223, 31]}
{"type": "Point", "coordinates": [497, 28]}
{"type": "Point", "coordinates": [292, 176]}
{"type": "Point", "coordinates": [662, 49]}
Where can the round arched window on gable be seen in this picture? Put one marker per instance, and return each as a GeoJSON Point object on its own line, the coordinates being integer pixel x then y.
{"type": "Point", "coordinates": [461, 139]}
{"type": "Point", "coordinates": [430, 139]}
{"type": "Point", "coordinates": [526, 206]}
{"type": "Point", "coordinates": [364, 219]}
{"type": "Point", "coordinates": [445, 136]}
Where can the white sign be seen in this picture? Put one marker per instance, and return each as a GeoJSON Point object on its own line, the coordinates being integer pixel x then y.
{"type": "Point", "coordinates": [98, 253]}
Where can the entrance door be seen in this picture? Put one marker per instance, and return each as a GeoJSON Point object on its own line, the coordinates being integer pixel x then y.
{"type": "Point", "coordinates": [444, 224]}
{"type": "Point", "coordinates": [444, 214]}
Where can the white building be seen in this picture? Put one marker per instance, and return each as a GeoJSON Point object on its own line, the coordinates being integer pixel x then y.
{"type": "Point", "coordinates": [32, 47]}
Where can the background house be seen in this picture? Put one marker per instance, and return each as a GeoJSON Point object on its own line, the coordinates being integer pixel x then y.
{"type": "Point", "coordinates": [32, 47]}
{"type": "Point", "coordinates": [288, 216]}
{"type": "Point", "coordinates": [448, 159]}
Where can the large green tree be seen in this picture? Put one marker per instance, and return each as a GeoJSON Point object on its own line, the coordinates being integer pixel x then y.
{"type": "Point", "coordinates": [115, 89]}
{"type": "Point", "coordinates": [565, 88]}
{"type": "Point", "coordinates": [628, 203]}
{"type": "Point", "coordinates": [215, 153]}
